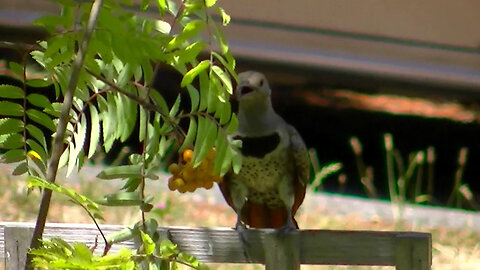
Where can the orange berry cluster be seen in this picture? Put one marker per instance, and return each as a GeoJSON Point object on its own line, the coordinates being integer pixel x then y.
{"type": "Point", "coordinates": [187, 178]}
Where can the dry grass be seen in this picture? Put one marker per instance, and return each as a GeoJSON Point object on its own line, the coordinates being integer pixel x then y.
{"type": "Point", "coordinates": [451, 249]}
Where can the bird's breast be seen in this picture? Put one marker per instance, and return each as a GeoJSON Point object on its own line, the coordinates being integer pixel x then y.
{"type": "Point", "coordinates": [263, 174]}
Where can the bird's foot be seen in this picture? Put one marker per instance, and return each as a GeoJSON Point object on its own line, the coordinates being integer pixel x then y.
{"type": "Point", "coordinates": [287, 229]}
{"type": "Point", "coordinates": [241, 230]}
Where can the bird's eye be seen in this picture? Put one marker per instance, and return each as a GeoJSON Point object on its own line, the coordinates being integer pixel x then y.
{"type": "Point", "coordinates": [261, 82]}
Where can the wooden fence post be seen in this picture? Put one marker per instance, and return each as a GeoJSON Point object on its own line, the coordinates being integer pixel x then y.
{"type": "Point", "coordinates": [412, 254]}
{"type": "Point", "coordinates": [17, 242]}
{"type": "Point", "coordinates": [282, 251]}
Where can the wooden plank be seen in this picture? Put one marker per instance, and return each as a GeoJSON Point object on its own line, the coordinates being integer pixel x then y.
{"type": "Point", "coordinates": [282, 251]}
{"type": "Point", "coordinates": [17, 241]}
{"type": "Point", "coordinates": [222, 245]}
{"type": "Point", "coordinates": [412, 253]}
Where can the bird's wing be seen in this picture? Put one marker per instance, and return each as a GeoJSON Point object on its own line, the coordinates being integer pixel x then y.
{"type": "Point", "coordinates": [301, 161]}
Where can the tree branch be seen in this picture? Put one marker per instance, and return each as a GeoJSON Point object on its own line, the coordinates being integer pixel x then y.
{"type": "Point", "coordinates": [57, 147]}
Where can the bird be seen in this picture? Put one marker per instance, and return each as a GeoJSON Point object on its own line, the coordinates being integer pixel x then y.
{"type": "Point", "coordinates": [270, 186]}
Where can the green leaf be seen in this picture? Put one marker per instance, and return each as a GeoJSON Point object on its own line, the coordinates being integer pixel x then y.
{"type": "Point", "coordinates": [148, 244]}
{"type": "Point", "coordinates": [37, 133]}
{"type": "Point", "coordinates": [168, 249]}
{"type": "Point", "coordinates": [10, 91]}
{"type": "Point", "coordinates": [162, 26]}
{"type": "Point", "coordinates": [191, 52]}
{"type": "Point", "coordinates": [14, 155]}
{"type": "Point", "coordinates": [125, 75]}
{"type": "Point", "coordinates": [194, 97]}
{"type": "Point", "coordinates": [147, 71]}
{"type": "Point", "coordinates": [153, 141]}
{"type": "Point", "coordinates": [206, 137]}
{"type": "Point", "coordinates": [64, 58]}
{"type": "Point", "coordinates": [159, 101]}
{"type": "Point", "coordinates": [39, 83]}
{"type": "Point", "coordinates": [80, 135]}
{"type": "Point", "coordinates": [10, 125]}
{"type": "Point", "coordinates": [224, 78]}
{"type": "Point", "coordinates": [233, 125]}
{"type": "Point", "coordinates": [175, 107]}
{"type": "Point", "coordinates": [213, 94]}
{"type": "Point", "coordinates": [228, 63]}
{"type": "Point", "coordinates": [132, 184]}
{"type": "Point", "coordinates": [162, 6]}
{"type": "Point", "coordinates": [236, 161]}
{"type": "Point", "coordinates": [221, 40]}
{"type": "Point", "coordinates": [142, 124]}
{"type": "Point", "coordinates": [83, 253]}
{"type": "Point", "coordinates": [39, 100]}
{"type": "Point", "coordinates": [54, 110]}
{"type": "Point", "coordinates": [72, 158]}
{"type": "Point", "coordinates": [221, 148]}
{"type": "Point", "coordinates": [21, 168]}
{"type": "Point", "coordinates": [71, 193]}
{"type": "Point", "coordinates": [121, 199]}
{"type": "Point", "coordinates": [109, 118]}
{"type": "Point", "coordinates": [204, 90]}
{"type": "Point", "coordinates": [11, 141]}
{"type": "Point", "coordinates": [54, 45]}
{"type": "Point", "coordinates": [41, 118]}
{"type": "Point", "coordinates": [162, 147]}
{"type": "Point", "coordinates": [64, 158]}
{"type": "Point", "coordinates": [210, 3]}
{"type": "Point", "coordinates": [190, 137]}
{"type": "Point", "coordinates": [144, 5]}
{"type": "Point", "coordinates": [124, 171]}
{"type": "Point", "coordinates": [16, 68]}
{"type": "Point", "coordinates": [128, 112]}
{"type": "Point", "coordinates": [94, 131]}
{"type": "Point", "coordinates": [189, 31]}
{"type": "Point", "coordinates": [225, 113]}
{"type": "Point", "coordinates": [38, 149]}
{"type": "Point", "coordinates": [224, 15]}
{"type": "Point", "coordinates": [8, 108]}
{"type": "Point", "coordinates": [192, 73]}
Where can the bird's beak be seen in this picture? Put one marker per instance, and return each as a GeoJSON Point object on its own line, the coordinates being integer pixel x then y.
{"type": "Point", "coordinates": [244, 89]}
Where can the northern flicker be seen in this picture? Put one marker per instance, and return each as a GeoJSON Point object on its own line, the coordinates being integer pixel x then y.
{"type": "Point", "coordinates": [271, 184]}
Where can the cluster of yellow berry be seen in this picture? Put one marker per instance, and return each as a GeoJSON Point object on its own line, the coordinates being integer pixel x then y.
{"type": "Point", "coordinates": [187, 178]}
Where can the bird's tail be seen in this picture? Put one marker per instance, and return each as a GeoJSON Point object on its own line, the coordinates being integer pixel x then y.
{"type": "Point", "coordinates": [261, 216]}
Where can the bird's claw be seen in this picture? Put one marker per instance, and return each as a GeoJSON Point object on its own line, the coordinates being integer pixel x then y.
{"type": "Point", "coordinates": [287, 229]}
{"type": "Point", "coordinates": [241, 229]}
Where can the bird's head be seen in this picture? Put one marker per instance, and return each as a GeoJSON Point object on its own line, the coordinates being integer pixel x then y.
{"type": "Point", "coordinates": [252, 86]}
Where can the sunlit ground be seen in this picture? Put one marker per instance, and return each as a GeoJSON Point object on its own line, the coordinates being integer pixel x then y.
{"type": "Point", "coordinates": [452, 249]}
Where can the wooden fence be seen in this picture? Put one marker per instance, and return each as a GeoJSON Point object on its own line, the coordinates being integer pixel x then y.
{"type": "Point", "coordinates": [405, 250]}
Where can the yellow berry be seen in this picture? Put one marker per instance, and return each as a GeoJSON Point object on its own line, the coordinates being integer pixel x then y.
{"type": "Point", "coordinates": [190, 187]}
{"type": "Point", "coordinates": [188, 175]}
{"type": "Point", "coordinates": [204, 166]}
{"type": "Point", "coordinates": [211, 154]}
{"type": "Point", "coordinates": [171, 184]}
{"type": "Point", "coordinates": [182, 189]}
{"type": "Point", "coordinates": [178, 182]}
{"type": "Point", "coordinates": [208, 185]}
{"type": "Point", "coordinates": [174, 168]}
{"type": "Point", "coordinates": [187, 155]}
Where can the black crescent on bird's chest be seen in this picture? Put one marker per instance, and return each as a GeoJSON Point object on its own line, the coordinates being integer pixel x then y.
{"type": "Point", "coordinates": [259, 146]}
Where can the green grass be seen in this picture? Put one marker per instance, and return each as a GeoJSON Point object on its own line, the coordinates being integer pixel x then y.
{"type": "Point", "coordinates": [452, 249]}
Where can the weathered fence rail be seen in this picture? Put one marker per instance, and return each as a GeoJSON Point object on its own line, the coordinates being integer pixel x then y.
{"type": "Point", "coordinates": [405, 250]}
